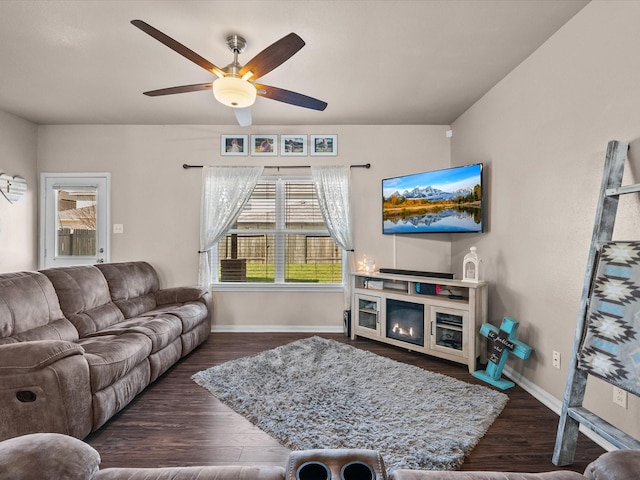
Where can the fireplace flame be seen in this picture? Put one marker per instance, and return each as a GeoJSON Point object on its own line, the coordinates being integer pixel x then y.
{"type": "Point", "coordinates": [397, 329]}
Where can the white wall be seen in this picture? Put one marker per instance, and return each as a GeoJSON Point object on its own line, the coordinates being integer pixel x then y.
{"type": "Point", "coordinates": [542, 133]}
{"type": "Point", "coordinates": [18, 223]}
{"type": "Point", "coordinates": [159, 203]}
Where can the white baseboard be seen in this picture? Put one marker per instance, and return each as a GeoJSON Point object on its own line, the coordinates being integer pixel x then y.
{"type": "Point", "coordinates": [553, 404]}
{"type": "Point", "coordinates": [277, 328]}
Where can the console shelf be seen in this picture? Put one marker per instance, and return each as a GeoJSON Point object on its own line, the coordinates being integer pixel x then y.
{"type": "Point", "coordinates": [435, 316]}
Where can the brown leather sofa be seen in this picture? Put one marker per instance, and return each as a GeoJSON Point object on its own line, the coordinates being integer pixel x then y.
{"type": "Point", "coordinates": [49, 456]}
{"type": "Point", "coordinates": [77, 344]}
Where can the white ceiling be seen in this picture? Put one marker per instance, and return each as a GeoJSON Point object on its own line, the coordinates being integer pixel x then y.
{"type": "Point", "coordinates": [373, 61]}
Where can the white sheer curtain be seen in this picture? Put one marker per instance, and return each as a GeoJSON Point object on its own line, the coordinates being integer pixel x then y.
{"type": "Point", "coordinates": [334, 195]}
{"type": "Point", "coordinates": [225, 191]}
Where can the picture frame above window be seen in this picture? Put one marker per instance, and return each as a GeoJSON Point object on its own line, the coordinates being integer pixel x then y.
{"type": "Point", "coordinates": [293, 145]}
{"type": "Point", "coordinates": [324, 145]}
{"type": "Point", "coordinates": [234, 145]}
{"type": "Point", "coordinates": [264, 145]}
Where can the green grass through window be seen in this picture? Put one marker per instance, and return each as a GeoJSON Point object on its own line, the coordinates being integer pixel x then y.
{"type": "Point", "coordinates": [296, 273]}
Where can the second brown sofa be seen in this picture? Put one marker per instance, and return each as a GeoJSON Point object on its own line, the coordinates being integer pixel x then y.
{"type": "Point", "coordinates": [56, 457]}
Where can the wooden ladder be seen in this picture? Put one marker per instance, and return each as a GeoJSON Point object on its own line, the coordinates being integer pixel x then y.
{"type": "Point", "coordinates": [573, 414]}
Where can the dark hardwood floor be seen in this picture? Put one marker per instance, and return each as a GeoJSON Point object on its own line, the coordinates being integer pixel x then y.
{"type": "Point", "coordinates": [175, 422]}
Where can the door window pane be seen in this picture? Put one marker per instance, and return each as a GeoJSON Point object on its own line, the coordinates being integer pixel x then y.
{"type": "Point", "coordinates": [76, 222]}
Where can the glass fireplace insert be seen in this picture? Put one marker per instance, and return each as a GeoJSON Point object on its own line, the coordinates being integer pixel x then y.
{"type": "Point", "coordinates": [405, 321]}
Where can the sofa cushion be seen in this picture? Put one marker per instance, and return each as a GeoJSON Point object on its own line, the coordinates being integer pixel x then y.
{"type": "Point", "coordinates": [190, 314]}
{"type": "Point", "coordinates": [47, 456]}
{"type": "Point", "coordinates": [112, 357]}
{"type": "Point", "coordinates": [28, 301]}
{"type": "Point", "coordinates": [132, 286]}
{"type": "Point", "coordinates": [84, 298]}
{"type": "Point", "coordinates": [162, 329]}
{"type": "Point", "coordinates": [96, 319]}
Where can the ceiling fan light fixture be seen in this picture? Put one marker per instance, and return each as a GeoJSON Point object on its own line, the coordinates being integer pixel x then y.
{"type": "Point", "coordinates": [234, 92]}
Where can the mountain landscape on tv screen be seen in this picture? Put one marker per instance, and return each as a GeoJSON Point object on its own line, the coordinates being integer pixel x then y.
{"type": "Point", "coordinates": [433, 194]}
{"type": "Point", "coordinates": [444, 201]}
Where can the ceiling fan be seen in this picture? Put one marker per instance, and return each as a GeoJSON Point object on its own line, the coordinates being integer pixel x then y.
{"type": "Point", "coordinates": [235, 86]}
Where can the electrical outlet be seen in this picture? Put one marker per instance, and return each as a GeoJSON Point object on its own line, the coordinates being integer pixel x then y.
{"type": "Point", "coordinates": [620, 397]}
{"type": "Point", "coordinates": [556, 359]}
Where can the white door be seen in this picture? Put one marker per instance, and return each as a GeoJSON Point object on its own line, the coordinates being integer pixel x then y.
{"type": "Point", "coordinates": [74, 219]}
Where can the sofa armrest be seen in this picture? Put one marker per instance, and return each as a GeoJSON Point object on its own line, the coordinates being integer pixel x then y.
{"type": "Point", "coordinates": [616, 465]}
{"type": "Point", "coordinates": [47, 456]}
{"type": "Point", "coordinates": [23, 357]}
{"type": "Point", "coordinates": [181, 295]}
{"type": "Point", "coordinates": [44, 387]}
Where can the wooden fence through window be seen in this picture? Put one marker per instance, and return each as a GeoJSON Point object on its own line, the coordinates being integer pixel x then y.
{"type": "Point", "coordinates": [75, 242]}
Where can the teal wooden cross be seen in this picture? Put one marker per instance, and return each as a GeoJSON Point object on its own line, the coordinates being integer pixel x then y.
{"type": "Point", "coordinates": [504, 342]}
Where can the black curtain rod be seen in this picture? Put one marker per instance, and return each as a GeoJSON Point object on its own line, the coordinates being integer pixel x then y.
{"type": "Point", "coordinates": [186, 166]}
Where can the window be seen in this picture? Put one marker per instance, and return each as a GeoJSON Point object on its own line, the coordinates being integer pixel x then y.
{"type": "Point", "coordinates": [280, 238]}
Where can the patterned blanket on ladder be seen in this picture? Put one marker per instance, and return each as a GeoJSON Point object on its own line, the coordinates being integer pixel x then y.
{"type": "Point", "coordinates": [611, 346]}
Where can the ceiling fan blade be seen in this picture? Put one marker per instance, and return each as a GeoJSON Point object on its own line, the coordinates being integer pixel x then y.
{"type": "Point", "coordinates": [178, 47]}
{"type": "Point", "coordinates": [182, 89]}
{"type": "Point", "coordinates": [243, 115]}
{"type": "Point", "coordinates": [272, 56]}
{"type": "Point", "coordinates": [286, 96]}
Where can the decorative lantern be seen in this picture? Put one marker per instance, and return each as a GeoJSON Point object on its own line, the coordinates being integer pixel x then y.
{"type": "Point", "coordinates": [470, 267]}
{"type": "Point", "coordinates": [369, 264]}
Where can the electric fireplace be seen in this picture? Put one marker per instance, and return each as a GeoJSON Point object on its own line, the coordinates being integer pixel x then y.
{"type": "Point", "coordinates": [405, 321]}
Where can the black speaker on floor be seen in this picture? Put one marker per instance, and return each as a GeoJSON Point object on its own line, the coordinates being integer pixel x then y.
{"type": "Point", "coordinates": [346, 322]}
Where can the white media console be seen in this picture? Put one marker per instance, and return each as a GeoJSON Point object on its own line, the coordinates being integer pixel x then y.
{"type": "Point", "coordinates": [435, 316]}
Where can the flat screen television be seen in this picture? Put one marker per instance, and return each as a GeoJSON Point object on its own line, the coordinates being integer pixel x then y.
{"type": "Point", "coordinates": [439, 201]}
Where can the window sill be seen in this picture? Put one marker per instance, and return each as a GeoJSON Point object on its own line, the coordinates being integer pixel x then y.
{"type": "Point", "coordinates": [276, 287]}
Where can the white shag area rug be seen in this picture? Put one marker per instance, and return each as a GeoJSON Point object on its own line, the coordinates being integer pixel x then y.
{"type": "Point", "coordinates": [319, 393]}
